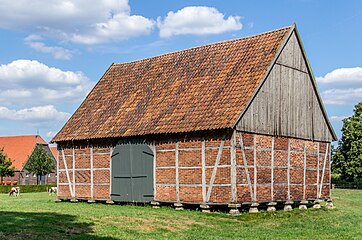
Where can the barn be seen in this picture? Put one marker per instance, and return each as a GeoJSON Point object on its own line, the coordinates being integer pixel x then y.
{"type": "Point", "coordinates": [232, 123]}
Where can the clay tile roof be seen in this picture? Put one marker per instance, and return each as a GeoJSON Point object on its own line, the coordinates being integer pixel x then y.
{"type": "Point", "coordinates": [201, 88]}
{"type": "Point", "coordinates": [19, 148]}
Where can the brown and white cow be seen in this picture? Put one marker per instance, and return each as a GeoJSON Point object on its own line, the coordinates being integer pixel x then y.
{"type": "Point", "coordinates": [52, 190]}
{"type": "Point", "coordinates": [14, 191]}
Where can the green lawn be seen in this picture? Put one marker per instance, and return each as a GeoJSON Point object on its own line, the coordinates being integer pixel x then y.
{"type": "Point", "coordinates": [37, 216]}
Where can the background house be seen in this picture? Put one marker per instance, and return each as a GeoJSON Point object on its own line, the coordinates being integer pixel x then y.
{"type": "Point", "coordinates": [19, 149]}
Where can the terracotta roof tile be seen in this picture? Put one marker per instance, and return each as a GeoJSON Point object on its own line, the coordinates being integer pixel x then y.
{"type": "Point", "coordinates": [19, 148]}
{"type": "Point", "coordinates": [200, 88]}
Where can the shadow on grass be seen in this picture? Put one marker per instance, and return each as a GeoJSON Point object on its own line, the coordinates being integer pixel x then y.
{"type": "Point", "coordinates": [45, 225]}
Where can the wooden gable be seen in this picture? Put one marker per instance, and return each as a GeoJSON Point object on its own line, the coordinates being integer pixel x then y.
{"type": "Point", "coordinates": [287, 103]}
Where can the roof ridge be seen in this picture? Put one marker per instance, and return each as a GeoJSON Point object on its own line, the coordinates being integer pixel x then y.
{"type": "Point", "coordinates": [205, 45]}
{"type": "Point", "coordinates": [32, 135]}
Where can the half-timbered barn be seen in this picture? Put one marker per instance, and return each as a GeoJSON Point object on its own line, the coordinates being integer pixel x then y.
{"type": "Point", "coordinates": [233, 122]}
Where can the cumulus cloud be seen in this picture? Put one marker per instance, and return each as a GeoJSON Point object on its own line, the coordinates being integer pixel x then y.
{"type": "Point", "coordinates": [197, 20]}
{"type": "Point", "coordinates": [342, 86]}
{"type": "Point", "coordinates": [29, 81]}
{"type": "Point", "coordinates": [342, 75]}
{"type": "Point", "coordinates": [34, 41]}
{"type": "Point", "coordinates": [40, 113]}
{"type": "Point", "coordinates": [75, 20]}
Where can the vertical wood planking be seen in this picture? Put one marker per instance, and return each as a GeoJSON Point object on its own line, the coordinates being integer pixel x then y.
{"type": "Point", "coordinates": [177, 173]}
{"type": "Point", "coordinates": [203, 165]}
{"type": "Point", "coordinates": [287, 103]}
{"type": "Point", "coordinates": [91, 172]}
{"type": "Point", "coordinates": [233, 166]}
{"type": "Point", "coordinates": [67, 173]}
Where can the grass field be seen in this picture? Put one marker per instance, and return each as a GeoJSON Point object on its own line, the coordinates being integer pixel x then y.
{"type": "Point", "coordinates": [37, 216]}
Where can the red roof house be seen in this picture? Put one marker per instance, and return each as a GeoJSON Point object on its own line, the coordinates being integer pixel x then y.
{"type": "Point", "coordinates": [19, 149]}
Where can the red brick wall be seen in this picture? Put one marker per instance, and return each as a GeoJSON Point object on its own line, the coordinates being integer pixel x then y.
{"type": "Point", "coordinates": [279, 175]}
{"type": "Point", "coordinates": [84, 154]}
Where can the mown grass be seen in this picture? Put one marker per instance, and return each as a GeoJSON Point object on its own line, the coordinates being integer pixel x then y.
{"type": "Point", "coordinates": [37, 216]}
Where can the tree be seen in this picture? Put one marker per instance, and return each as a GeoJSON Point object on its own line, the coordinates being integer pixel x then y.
{"type": "Point", "coordinates": [347, 157]}
{"type": "Point", "coordinates": [5, 166]}
{"type": "Point", "coordinates": [40, 163]}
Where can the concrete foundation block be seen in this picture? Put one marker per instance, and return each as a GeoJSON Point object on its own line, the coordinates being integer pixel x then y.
{"type": "Point", "coordinates": [303, 205]}
{"type": "Point", "coordinates": [271, 207]}
{"type": "Point", "coordinates": [254, 208]}
{"type": "Point", "coordinates": [317, 204]}
{"type": "Point", "coordinates": [155, 204]}
{"type": "Point", "coordinates": [329, 204]}
{"type": "Point", "coordinates": [109, 201]}
{"type": "Point", "coordinates": [57, 200]}
{"type": "Point", "coordinates": [91, 200]}
{"type": "Point", "coordinates": [205, 208]}
{"type": "Point", "coordinates": [288, 206]}
{"type": "Point", "coordinates": [234, 211]}
{"type": "Point", "coordinates": [178, 206]}
{"type": "Point", "coordinates": [73, 200]}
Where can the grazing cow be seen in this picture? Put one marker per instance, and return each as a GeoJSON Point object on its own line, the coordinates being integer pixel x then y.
{"type": "Point", "coordinates": [52, 190]}
{"type": "Point", "coordinates": [14, 191]}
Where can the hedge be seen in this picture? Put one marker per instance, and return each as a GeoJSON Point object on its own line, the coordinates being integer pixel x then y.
{"type": "Point", "coordinates": [27, 188]}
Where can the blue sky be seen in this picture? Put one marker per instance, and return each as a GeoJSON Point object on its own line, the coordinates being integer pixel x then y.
{"type": "Point", "coordinates": [52, 52]}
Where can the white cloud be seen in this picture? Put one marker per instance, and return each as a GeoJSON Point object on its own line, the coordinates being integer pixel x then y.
{"type": "Point", "coordinates": [337, 118]}
{"type": "Point", "coordinates": [34, 41]}
{"type": "Point", "coordinates": [40, 113]}
{"type": "Point", "coordinates": [197, 21]}
{"type": "Point", "coordinates": [78, 21]}
{"type": "Point", "coordinates": [342, 86]}
{"type": "Point", "coordinates": [342, 96]}
{"type": "Point", "coordinates": [343, 76]}
{"type": "Point", "coordinates": [29, 82]}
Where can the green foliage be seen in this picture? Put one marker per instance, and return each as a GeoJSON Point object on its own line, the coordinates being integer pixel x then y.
{"type": "Point", "coordinates": [27, 188]}
{"type": "Point", "coordinates": [40, 162]}
{"type": "Point", "coordinates": [347, 157]}
{"type": "Point", "coordinates": [5, 165]}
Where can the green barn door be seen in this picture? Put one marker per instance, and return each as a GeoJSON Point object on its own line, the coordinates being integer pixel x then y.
{"type": "Point", "coordinates": [132, 173]}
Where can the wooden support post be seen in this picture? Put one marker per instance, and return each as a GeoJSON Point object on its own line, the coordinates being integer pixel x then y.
{"type": "Point", "coordinates": [245, 165]}
{"type": "Point", "coordinates": [177, 176]}
{"type": "Point", "coordinates": [233, 166]}
{"type": "Point", "coordinates": [272, 171]}
{"type": "Point", "coordinates": [67, 173]}
{"type": "Point", "coordinates": [73, 165]}
{"type": "Point", "coordinates": [304, 170]}
{"type": "Point", "coordinates": [203, 169]}
{"type": "Point", "coordinates": [91, 172]}
{"type": "Point", "coordinates": [323, 171]}
{"type": "Point", "coordinates": [288, 169]}
{"type": "Point", "coordinates": [318, 170]}
{"type": "Point", "coordinates": [154, 170]}
{"type": "Point", "coordinates": [255, 168]}
{"type": "Point", "coordinates": [212, 180]}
